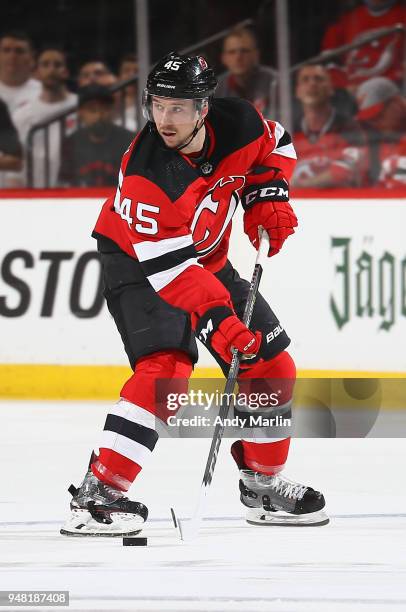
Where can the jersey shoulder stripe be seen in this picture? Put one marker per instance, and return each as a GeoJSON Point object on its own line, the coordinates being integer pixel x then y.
{"type": "Point", "coordinates": [236, 124]}
{"type": "Point", "coordinates": [284, 145]}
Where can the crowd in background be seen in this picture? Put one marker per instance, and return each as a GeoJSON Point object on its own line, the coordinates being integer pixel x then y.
{"type": "Point", "coordinates": [85, 148]}
{"type": "Point", "coordinates": [349, 111]}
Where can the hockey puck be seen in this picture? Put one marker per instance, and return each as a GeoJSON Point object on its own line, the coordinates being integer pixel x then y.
{"type": "Point", "coordinates": [135, 541]}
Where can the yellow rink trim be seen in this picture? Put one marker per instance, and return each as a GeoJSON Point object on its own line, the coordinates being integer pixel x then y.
{"type": "Point", "coordinates": [348, 374]}
{"type": "Point", "coordinates": [84, 382]}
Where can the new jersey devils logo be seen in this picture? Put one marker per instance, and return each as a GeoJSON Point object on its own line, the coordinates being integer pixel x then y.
{"type": "Point", "coordinates": [214, 213]}
{"type": "Point", "coordinates": [202, 62]}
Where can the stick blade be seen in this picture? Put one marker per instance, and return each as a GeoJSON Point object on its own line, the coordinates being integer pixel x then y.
{"type": "Point", "coordinates": [187, 529]}
{"type": "Point", "coordinates": [177, 523]}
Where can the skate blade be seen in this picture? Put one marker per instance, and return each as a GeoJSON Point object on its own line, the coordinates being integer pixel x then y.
{"type": "Point", "coordinates": [268, 519]}
{"type": "Point", "coordinates": [82, 524]}
{"type": "Point", "coordinates": [81, 534]}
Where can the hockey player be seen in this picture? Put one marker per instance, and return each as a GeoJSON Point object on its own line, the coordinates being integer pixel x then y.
{"type": "Point", "coordinates": [163, 241]}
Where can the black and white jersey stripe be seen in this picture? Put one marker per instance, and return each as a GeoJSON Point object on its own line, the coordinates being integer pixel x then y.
{"type": "Point", "coordinates": [130, 431]}
{"type": "Point", "coordinates": [162, 261]}
{"type": "Point", "coordinates": [284, 144]}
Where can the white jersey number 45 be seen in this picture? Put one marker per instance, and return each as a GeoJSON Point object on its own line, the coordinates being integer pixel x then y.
{"type": "Point", "coordinates": [146, 224]}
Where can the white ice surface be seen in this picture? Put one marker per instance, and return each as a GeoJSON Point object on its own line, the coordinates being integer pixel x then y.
{"type": "Point", "coordinates": [356, 563]}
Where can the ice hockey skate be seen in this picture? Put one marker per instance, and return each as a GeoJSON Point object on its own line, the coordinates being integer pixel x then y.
{"type": "Point", "coordinates": [277, 500]}
{"type": "Point", "coordinates": [100, 510]}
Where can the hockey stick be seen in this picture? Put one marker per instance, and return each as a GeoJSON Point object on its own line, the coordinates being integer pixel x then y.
{"type": "Point", "coordinates": [189, 529]}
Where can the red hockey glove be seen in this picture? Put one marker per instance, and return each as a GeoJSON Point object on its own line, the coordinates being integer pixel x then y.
{"type": "Point", "coordinates": [233, 333]}
{"type": "Point", "coordinates": [222, 330]}
{"type": "Point", "coordinates": [277, 218]}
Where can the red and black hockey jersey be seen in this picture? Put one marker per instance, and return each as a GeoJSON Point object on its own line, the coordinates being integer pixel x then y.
{"type": "Point", "coordinates": [387, 160]}
{"type": "Point", "coordinates": [173, 213]}
{"type": "Point", "coordinates": [381, 57]}
{"type": "Point", "coordinates": [339, 147]}
{"type": "Point", "coordinates": [393, 164]}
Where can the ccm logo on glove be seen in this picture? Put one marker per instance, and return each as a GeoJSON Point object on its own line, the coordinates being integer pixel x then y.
{"type": "Point", "coordinates": [277, 191]}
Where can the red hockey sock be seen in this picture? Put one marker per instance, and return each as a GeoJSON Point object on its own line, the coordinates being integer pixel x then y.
{"type": "Point", "coordinates": [143, 399]}
{"type": "Point", "coordinates": [269, 456]}
{"type": "Point", "coordinates": [266, 457]}
{"type": "Point", "coordinates": [115, 469]}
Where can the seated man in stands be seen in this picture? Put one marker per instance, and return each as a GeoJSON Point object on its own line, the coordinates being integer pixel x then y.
{"type": "Point", "coordinates": [382, 112]}
{"type": "Point", "coordinates": [11, 154]}
{"type": "Point", "coordinates": [245, 78]}
{"type": "Point", "coordinates": [122, 115]}
{"type": "Point", "coordinates": [53, 98]}
{"type": "Point", "coordinates": [17, 87]}
{"type": "Point", "coordinates": [91, 71]}
{"type": "Point", "coordinates": [91, 156]}
{"type": "Point", "coordinates": [128, 68]}
{"type": "Point", "coordinates": [124, 100]}
{"type": "Point", "coordinates": [329, 146]}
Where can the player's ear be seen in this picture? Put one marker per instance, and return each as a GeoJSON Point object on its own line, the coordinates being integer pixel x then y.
{"type": "Point", "coordinates": [205, 109]}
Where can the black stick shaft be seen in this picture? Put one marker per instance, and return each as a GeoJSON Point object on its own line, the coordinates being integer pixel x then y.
{"type": "Point", "coordinates": [190, 529]}
{"type": "Point", "coordinates": [231, 381]}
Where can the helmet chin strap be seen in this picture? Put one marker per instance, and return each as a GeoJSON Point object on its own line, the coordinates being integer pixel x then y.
{"type": "Point", "coordinates": [192, 135]}
{"type": "Point", "coordinates": [379, 10]}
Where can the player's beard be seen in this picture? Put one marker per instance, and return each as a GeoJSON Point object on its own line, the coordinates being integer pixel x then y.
{"type": "Point", "coordinates": [170, 137]}
{"type": "Point", "coordinates": [181, 142]}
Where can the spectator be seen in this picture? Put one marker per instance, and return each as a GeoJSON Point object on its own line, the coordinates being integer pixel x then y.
{"type": "Point", "coordinates": [54, 97]}
{"type": "Point", "coordinates": [16, 65]}
{"type": "Point", "coordinates": [10, 147]}
{"type": "Point", "coordinates": [107, 80]}
{"type": "Point", "coordinates": [128, 68]}
{"type": "Point", "coordinates": [91, 71]}
{"type": "Point", "coordinates": [245, 78]}
{"type": "Point", "coordinates": [98, 72]}
{"type": "Point", "coordinates": [119, 117]}
{"type": "Point", "coordinates": [91, 156]}
{"type": "Point", "coordinates": [124, 106]}
{"type": "Point", "coordinates": [383, 57]}
{"type": "Point", "coordinates": [328, 145]}
{"type": "Point", "coordinates": [343, 101]}
{"type": "Point", "coordinates": [382, 111]}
